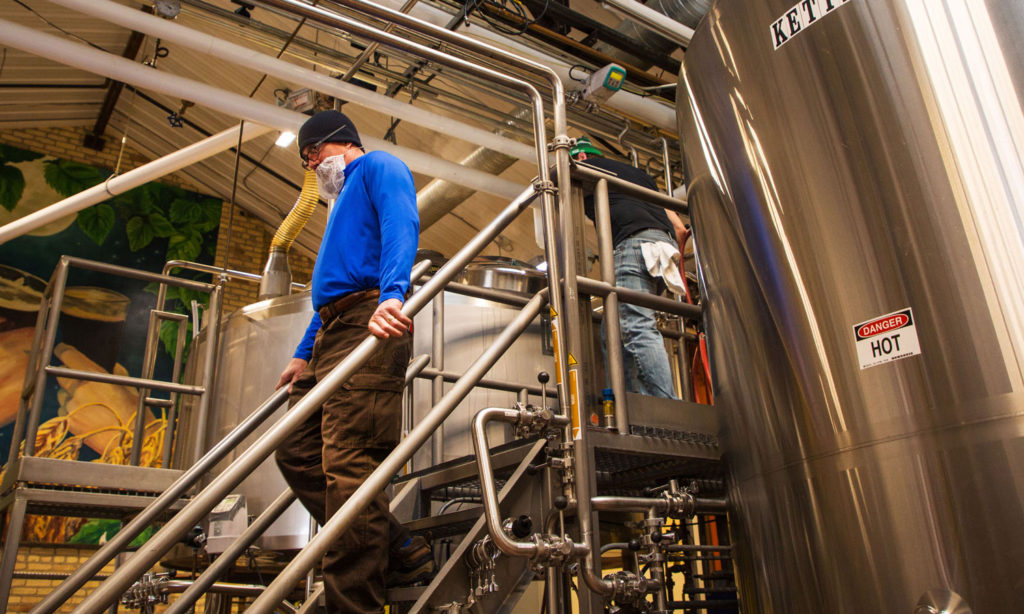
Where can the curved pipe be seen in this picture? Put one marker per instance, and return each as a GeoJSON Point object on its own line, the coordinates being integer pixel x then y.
{"type": "Point", "coordinates": [489, 490]}
{"type": "Point", "coordinates": [277, 275]}
{"type": "Point", "coordinates": [555, 258]}
{"type": "Point", "coordinates": [301, 211]}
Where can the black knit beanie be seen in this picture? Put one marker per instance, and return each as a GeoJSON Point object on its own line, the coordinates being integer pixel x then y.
{"type": "Point", "coordinates": [335, 126]}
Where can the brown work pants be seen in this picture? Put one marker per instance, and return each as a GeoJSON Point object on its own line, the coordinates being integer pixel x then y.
{"type": "Point", "coordinates": [327, 458]}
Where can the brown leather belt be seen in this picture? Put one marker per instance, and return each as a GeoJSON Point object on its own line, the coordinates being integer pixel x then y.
{"type": "Point", "coordinates": [336, 307]}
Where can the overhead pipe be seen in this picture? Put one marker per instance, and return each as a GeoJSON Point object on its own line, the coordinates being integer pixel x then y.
{"type": "Point", "coordinates": [237, 54]}
{"type": "Point", "coordinates": [654, 112]}
{"type": "Point", "coordinates": [236, 105]}
{"type": "Point", "coordinates": [222, 141]}
{"type": "Point", "coordinates": [439, 197]}
{"type": "Point", "coordinates": [687, 12]}
{"type": "Point", "coordinates": [653, 20]}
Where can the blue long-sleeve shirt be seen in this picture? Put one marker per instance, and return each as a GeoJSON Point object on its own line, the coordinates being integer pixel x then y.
{"type": "Point", "coordinates": [371, 237]}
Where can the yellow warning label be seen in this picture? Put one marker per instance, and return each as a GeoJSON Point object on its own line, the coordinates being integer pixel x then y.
{"type": "Point", "coordinates": [554, 314]}
{"type": "Point", "coordinates": [572, 360]}
{"type": "Point", "coordinates": [574, 402]}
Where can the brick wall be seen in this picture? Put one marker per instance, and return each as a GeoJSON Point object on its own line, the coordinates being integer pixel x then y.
{"type": "Point", "coordinates": [65, 559]}
{"type": "Point", "coordinates": [48, 559]}
{"type": "Point", "coordinates": [250, 237]}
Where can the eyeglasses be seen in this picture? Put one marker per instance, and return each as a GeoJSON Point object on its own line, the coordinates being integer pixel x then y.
{"type": "Point", "coordinates": [314, 149]}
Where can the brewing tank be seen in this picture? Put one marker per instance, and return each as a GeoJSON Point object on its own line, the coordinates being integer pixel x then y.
{"type": "Point", "coordinates": [856, 184]}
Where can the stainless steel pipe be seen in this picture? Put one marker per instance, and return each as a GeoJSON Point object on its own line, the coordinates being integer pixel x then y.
{"type": "Point", "coordinates": [635, 297]}
{"type": "Point", "coordinates": [612, 328]}
{"type": "Point", "coordinates": [662, 200]}
{"type": "Point", "coordinates": [489, 490]}
{"type": "Point", "coordinates": [122, 380]}
{"type": "Point", "coordinates": [209, 364]}
{"type": "Point", "coordinates": [657, 504]}
{"type": "Point", "coordinates": [56, 288]}
{"type": "Point", "coordinates": [437, 383]}
{"type": "Point", "coordinates": [493, 384]}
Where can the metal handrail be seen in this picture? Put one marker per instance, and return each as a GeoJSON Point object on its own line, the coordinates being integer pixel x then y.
{"type": "Point", "coordinates": [240, 468]}
{"type": "Point", "coordinates": [592, 174]}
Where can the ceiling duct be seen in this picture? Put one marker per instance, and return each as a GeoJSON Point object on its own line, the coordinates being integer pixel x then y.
{"type": "Point", "coordinates": [439, 197]}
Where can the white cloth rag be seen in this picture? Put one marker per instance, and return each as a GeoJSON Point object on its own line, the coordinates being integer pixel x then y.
{"type": "Point", "coordinates": [662, 260]}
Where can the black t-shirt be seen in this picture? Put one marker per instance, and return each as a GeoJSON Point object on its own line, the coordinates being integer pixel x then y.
{"type": "Point", "coordinates": [629, 214]}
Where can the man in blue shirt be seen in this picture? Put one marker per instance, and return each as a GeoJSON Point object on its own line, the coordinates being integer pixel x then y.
{"type": "Point", "coordinates": [359, 284]}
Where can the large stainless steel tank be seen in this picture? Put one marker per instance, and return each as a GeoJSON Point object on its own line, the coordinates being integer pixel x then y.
{"type": "Point", "coordinates": [848, 160]}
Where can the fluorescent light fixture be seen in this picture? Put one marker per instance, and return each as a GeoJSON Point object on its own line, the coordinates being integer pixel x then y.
{"type": "Point", "coordinates": [286, 138]}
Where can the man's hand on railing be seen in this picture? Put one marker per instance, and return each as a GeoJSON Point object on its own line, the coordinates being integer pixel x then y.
{"type": "Point", "coordinates": [291, 373]}
{"type": "Point", "coordinates": [388, 320]}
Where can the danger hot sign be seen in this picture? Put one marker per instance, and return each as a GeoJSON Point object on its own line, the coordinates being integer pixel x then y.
{"type": "Point", "coordinates": [886, 338]}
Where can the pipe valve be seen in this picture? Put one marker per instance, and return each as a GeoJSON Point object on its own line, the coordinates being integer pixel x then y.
{"type": "Point", "coordinates": [533, 420]}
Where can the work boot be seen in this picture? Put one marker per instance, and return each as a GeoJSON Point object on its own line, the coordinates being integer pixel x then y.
{"type": "Point", "coordinates": [412, 563]}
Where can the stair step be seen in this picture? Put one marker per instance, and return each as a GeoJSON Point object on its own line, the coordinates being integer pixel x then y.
{"type": "Point", "coordinates": [452, 523]}
{"type": "Point", "coordinates": [405, 594]}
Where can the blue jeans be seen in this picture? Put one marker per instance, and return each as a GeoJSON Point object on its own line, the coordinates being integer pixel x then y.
{"type": "Point", "coordinates": [644, 358]}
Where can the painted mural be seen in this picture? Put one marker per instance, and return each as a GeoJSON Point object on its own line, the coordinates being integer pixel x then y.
{"type": "Point", "coordinates": [103, 320]}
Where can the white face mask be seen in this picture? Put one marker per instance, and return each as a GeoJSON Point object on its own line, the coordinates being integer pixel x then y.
{"type": "Point", "coordinates": [330, 176]}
